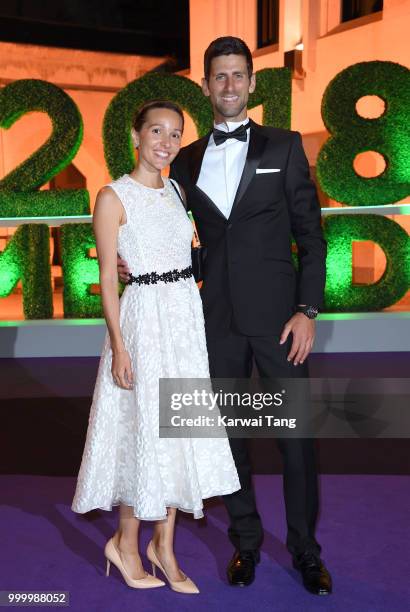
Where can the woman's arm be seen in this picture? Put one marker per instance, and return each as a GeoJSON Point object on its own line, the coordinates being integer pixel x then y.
{"type": "Point", "coordinates": [108, 215]}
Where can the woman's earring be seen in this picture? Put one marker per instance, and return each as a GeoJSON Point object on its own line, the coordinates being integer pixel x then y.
{"type": "Point", "coordinates": [136, 145]}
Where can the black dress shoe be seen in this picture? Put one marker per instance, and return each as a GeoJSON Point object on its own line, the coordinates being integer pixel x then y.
{"type": "Point", "coordinates": [316, 578]}
{"type": "Point", "coordinates": [241, 568]}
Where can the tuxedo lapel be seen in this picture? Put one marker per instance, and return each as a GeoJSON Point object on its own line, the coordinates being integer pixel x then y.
{"type": "Point", "coordinates": [210, 202]}
{"type": "Point", "coordinates": [257, 144]}
{"type": "Point", "coordinates": [197, 155]}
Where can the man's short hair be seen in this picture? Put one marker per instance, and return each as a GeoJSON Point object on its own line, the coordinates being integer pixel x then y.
{"type": "Point", "coordinates": [227, 45]}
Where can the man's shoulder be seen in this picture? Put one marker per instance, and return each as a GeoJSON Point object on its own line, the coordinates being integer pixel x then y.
{"type": "Point", "coordinates": [182, 160]}
{"type": "Point", "coordinates": [276, 134]}
{"type": "Point", "coordinates": [181, 163]}
{"type": "Point", "coordinates": [187, 150]}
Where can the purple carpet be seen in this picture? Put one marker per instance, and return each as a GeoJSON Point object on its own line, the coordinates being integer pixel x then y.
{"type": "Point", "coordinates": [364, 531]}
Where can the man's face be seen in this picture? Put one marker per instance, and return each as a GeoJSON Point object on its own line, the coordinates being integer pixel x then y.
{"type": "Point", "coordinates": [228, 87]}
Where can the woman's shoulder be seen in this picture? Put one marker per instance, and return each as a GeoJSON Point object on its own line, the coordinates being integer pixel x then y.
{"type": "Point", "coordinates": [119, 182]}
{"type": "Point", "coordinates": [116, 189]}
{"type": "Point", "coordinates": [112, 193]}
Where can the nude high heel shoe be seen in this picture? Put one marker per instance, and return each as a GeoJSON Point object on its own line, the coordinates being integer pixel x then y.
{"type": "Point", "coordinates": [180, 586]}
{"type": "Point", "coordinates": [112, 555]}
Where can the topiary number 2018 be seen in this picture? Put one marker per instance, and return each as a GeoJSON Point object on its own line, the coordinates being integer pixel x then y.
{"type": "Point", "coordinates": [351, 134]}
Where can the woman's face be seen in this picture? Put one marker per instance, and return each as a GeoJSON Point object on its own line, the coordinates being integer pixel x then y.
{"type": "Point", "coordinates": [159, 139]}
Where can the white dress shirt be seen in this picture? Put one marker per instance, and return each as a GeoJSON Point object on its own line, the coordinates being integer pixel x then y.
{"type": "Point", "coordinates": [222, 167]}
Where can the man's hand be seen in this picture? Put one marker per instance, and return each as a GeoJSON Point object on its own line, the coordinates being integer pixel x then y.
{"type": "Point", "coordinates": [303, 330]}
{"type": "Point", "coordinates": [123, 271]}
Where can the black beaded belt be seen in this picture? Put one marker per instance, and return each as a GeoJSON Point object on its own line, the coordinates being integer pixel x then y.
{"type": "Point", "coordinates": [166, 277]}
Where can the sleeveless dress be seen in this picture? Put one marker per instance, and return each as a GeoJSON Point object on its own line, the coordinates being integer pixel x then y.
{"type": "Point", "coordinates": [124, 459]}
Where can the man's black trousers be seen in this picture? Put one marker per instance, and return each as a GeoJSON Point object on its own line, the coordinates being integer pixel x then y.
{"type": "Point", "coordinates": [231, 356]}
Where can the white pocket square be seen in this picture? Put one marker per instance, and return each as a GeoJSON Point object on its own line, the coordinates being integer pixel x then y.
{"type": "Point", "coordinates": [266, 170]}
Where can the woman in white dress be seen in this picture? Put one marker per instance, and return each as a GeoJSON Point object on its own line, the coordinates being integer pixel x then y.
{"type": "Point", "coordinates": [155, 330]}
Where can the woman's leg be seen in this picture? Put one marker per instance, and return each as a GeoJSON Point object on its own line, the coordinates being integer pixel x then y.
{"type": "Point", "coordinates": [163, 541]}
{"type": "Point", "coordinates": [126, 541]}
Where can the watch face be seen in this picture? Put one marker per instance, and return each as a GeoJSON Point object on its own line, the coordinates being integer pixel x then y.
{"type": "Point", "coordinates": [311, 312]}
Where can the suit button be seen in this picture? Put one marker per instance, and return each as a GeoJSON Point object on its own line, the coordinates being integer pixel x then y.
{"type": "Point", "coordinates": [230, 226]}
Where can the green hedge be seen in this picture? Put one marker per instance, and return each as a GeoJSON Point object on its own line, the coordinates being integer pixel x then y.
{"type": "Point", "coordinates": [352, 134]}
{"type": "Point", "coordinates": [27, 257]}
{"type": "Point", "coordinates": [340, 232]}
{"type": "Point", "coordinates": [28, 95]}
{"type": "Point", "coordinates": [80, 271]}
{"type": "Point", "coordinates": [274, 91]}
{"type": "Point", "coordinates": [53, 203]}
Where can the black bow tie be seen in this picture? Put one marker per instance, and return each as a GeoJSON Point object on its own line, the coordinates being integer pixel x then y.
{"type": "Point", "coordinates": [238, 134]}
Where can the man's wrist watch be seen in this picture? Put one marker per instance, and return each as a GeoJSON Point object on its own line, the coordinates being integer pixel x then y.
{"type": "Point", "coordinates": [310, 311]}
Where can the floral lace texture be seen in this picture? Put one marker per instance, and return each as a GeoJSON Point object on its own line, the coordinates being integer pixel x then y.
{"type": "Point", "coordinates": [125, 460]}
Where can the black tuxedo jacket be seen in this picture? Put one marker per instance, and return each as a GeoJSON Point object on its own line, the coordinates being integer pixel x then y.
{"type": "Point", "coordinates": [249, 277]}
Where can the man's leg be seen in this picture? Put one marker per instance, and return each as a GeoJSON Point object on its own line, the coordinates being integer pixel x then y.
{"type": "Point", "coordinates": [231, 357]}
{"type": "Point", "coordinates": [299, 462]}
{"type": "Point", "coordinates": [299, 474]}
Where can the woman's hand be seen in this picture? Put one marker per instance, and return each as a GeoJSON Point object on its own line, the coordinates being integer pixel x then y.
{"type": "Point", "coordinates": [121, 369]}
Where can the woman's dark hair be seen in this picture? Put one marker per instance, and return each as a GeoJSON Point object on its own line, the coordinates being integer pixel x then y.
{"type": "Point", "coordinates": [141, 114]}
{"type": "Point", "coordinates": [227, 45]}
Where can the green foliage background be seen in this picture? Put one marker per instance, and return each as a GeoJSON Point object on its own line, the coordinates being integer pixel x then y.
{"type": "Point", "coordinates": [352, 134]}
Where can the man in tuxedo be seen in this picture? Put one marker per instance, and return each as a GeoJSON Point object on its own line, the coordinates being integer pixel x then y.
{"type": "Point", "coordinates": [249, 190]}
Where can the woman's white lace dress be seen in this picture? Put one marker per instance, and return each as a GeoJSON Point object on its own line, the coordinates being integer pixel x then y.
{"type": "Point", "coordinates": [125, 460]}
